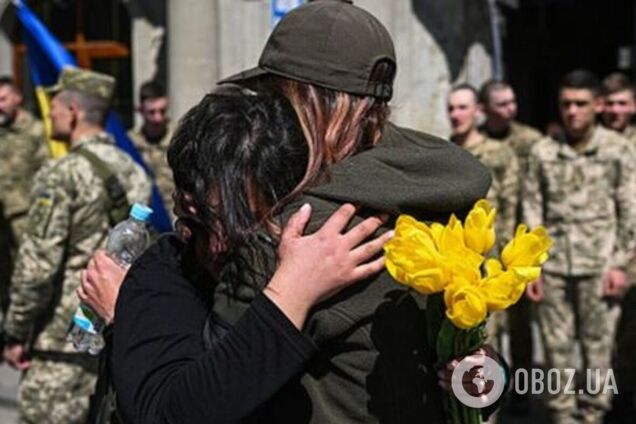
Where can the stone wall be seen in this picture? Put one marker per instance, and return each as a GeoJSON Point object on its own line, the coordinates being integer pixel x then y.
{"type": "Point", "coordinates": [6, 52]}
{"type": "Point", "coordinates": [437, 44]}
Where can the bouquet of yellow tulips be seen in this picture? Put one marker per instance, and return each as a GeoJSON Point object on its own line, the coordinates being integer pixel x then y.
{"type": "Point", "coordinates": [450, 264]}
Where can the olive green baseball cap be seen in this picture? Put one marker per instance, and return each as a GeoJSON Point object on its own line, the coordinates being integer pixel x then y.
{"type": "Point", "coordinates": [84, 81]}
{"type": "Point", "coordinates": [332, 44]}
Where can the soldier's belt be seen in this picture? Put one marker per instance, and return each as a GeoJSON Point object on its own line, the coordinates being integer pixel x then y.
{"type": "Point", "coordinates": [80, 359]}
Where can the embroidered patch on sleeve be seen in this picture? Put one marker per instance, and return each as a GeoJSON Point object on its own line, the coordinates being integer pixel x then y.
{"type": "Point", "coordinates": [41, 214]}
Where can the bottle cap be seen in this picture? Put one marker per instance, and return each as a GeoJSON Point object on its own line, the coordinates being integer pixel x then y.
{"type": "Point", "coordinates": [140, 212]}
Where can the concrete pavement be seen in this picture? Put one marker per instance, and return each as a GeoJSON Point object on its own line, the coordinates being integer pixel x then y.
{"type": "Point", "coordinates": [8, 394]}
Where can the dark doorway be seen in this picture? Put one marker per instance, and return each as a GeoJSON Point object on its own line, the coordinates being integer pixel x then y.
{"type": "Point", "coordinates": [98, 34]}
{"type": "Point", "coordinates": [547, 38]}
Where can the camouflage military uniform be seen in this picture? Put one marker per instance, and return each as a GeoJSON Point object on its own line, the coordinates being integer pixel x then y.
{"type": "Point", "coordinates": [519, 317]}
{"type": "Point", "coordinates": [22, 152]}
{"type": "Point", "coordinates": [68, 221]}
{"type": "Point", "coordinates": [625, 366]}
{"type": "Point", "coordinates": [501, 161]}
{"type": "Point", "coordinates": [154, 155]}
{"type": "Point", "coordinates": [630, 134]}
{"type": "Point", "coordinates": [503, 193]}
{"type": "Point", "coordinates": [521, 138]}
{"type": "Point", "coordinates": [587, 201]}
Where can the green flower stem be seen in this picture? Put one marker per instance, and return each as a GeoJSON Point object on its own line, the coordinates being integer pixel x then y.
{"type": "Point", "coordinates": [451, 409]}
{"type": "Point", "coordinates": [468, 417]}
{"type": "Point", "coordinates": [453, 342]}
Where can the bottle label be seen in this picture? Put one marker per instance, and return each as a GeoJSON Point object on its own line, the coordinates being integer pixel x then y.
{"type": "Point", "coordinates": [83, 318]}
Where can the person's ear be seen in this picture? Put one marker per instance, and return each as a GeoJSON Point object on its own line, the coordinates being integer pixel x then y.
{"type": "Point", "coordinates": [75, 112]}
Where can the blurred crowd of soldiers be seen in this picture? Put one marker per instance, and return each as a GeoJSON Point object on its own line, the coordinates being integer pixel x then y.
{"type": "Point", "coordinates": [56, 214]}
{"type": "Point", "coordinates": [579, 182]}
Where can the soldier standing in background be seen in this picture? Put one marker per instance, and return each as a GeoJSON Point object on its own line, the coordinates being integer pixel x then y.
{"type": "Point", "coordinates": [75, 202]}
{"type": "Point", "coordinates": [463, 111]}
{"type": "Point", "coordinates": [22, 152]}
{"type": "Point", "coordinates": [619, 106]}
{"type": "Point", "coordinates": [499, 104]}
{"type": "Point", "coordinates": [583, 190]}
{"type": "Point", "coordinates": [152, 138]}
{"type": "Point", "coordinates": [618, 111]}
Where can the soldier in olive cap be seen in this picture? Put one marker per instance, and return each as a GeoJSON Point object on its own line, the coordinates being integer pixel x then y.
{"type": "Point", "coordinates": [75, 202]}
{"type": "Point", "coordinates": [335, 63]}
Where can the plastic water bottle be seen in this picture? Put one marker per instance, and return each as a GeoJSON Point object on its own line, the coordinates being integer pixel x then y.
{"type": "Point", "coordinates": [127, 240]}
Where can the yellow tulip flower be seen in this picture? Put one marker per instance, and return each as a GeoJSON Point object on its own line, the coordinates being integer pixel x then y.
{"type": "Point", "coordinates": [501, 288]}
{"type": "Point", "coordinates": [426, 258]}
{"type": "Point", "coordinates": [479, 230]}
{"type": "Point", "coordinates": [457, 256]}
{"type": "Point", "coordinates": [406, 225]}
{"type": "Point", "coordinates": [527, 249]}
{"type": "Point", "coordinates": [448, 258]}
{"type": "Point", "coordinates": [528, 274]}
{"type": "Point", "coordinates": [465, 305]}
{"type": "Point", "coordinates": [412, 258]}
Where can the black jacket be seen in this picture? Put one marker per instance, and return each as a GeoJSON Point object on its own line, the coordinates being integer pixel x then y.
{"type": "Point", "coordinates": [175, 363]}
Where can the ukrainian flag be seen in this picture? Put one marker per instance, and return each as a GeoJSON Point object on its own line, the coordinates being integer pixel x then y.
{"type": "Point", "coordinates": [46, 58]}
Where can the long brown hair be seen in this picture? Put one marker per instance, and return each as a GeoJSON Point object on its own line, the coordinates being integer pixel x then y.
{"type": "Point", "coordinates": [336, 124]}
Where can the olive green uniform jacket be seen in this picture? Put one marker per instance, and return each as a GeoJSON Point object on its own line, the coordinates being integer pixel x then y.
{"type": "Point", "coordinates": [373, 365]}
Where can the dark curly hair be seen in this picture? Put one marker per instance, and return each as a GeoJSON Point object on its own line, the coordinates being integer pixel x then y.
{"type": "Point", "coordinates": [235, 157]}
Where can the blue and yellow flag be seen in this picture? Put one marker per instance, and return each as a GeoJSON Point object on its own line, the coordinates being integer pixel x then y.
{"type": "Point", "coordinates": [46, 58]}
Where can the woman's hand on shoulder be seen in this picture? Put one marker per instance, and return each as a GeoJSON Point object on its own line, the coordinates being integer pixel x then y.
{"type": "Point", "coordinates": [314, 267]}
